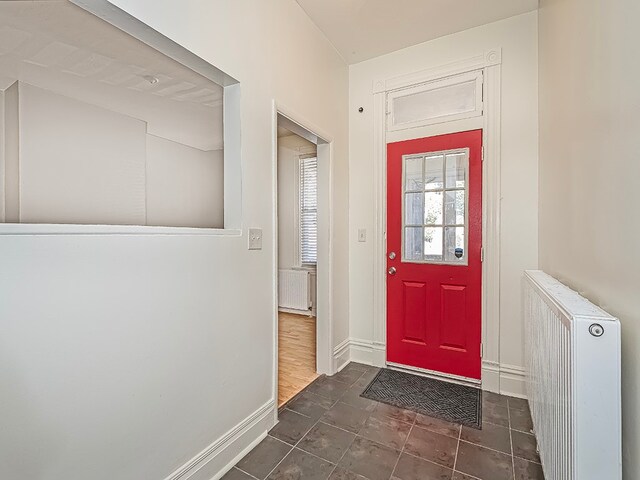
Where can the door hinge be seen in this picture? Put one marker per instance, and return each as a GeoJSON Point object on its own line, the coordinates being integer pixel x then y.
{"type": "Point", "coordinates": [483, 153]}
{"type": "Point", "coordinates": [481, 350]}
{"type": "Point", "coordinates": [482, 254]}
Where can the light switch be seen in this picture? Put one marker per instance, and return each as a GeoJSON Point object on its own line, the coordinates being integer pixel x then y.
{"type": "Point", "coordinates": [362, 235]}
{"type": "Point", "coordinates": [255, 239]}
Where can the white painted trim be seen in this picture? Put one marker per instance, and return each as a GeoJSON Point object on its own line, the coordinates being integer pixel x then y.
{"type": "Point", "coordinates": [487, 59]}
{"type": "Point", "coordinates": [219, 457]}
{"type": "Point", "coordinates": [491, 201]}
{"type": "Point", "coordinates": [504, 379]}
{"type": "Point", "coordinates": [380, 225]}
{"type": "Point", "coordinates": [513, 381]}
{"type": "Point", "coordinates": [67, 229]}
{"type": "Point", "coordinates": [306, 313]}
{"type": "Point", "coordinates": [490, 62]}
{"type": "Point", "coordinates": [454, 126]}
{"type": "Point", "coordinates": [367, 352]}
{"type": "Point", "coordinates": [491, 376]}
{"type": "Point", "coordinates": [341, 355]}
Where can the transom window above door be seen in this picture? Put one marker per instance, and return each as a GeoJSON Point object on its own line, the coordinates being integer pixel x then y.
{"type": "Point", "coordinates": [452, 98]}
{"type": "Point", "coordinates": [434, 218]}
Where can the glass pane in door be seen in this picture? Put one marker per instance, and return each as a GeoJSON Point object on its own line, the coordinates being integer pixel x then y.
{"type": "Point", "coordinates": [434, 201]}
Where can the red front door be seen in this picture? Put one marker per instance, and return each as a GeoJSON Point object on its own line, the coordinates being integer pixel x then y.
{"type": "Point", "coordinates": [434, 239]}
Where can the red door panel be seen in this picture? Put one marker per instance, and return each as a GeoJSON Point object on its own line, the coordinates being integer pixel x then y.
{"type": "Point", "coordinates": [414, 312]}
{"type": "Point", "coordinates": [434, 228]}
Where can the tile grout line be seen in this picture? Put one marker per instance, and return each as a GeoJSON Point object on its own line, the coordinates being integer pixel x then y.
{"type": "Point", "coordinates": [367, 414]}
{"type": "Point", "coordinates": [487, 448]}
{"type": "Point", "coordinates": [513, 463]}
{"type": "Point", "coordinates": [425, 429]}
{"type": "Point", "coordinates": [295, 447]}
{"type": "Point", "coordinates": [292, 448]}
{"type": "Point", "coordinates": [246, 473]}
{"type": "Point", "coordinates": [354, 438]}
{"type": "Point", "coordinates": [415, 419]}
{"type": "Point", "coordinates": [455, 459]}
{"type": "Point", "coordinates": [342, 456]}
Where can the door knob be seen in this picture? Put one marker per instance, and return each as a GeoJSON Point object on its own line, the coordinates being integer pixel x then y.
{"type": "Point", "coordinates": [392, 271]}
{"type": "Point", "coordinates": [392, 255]}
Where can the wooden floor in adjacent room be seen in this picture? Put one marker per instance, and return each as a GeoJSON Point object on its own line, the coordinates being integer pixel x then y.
{"type": "Point", "coordinates": [296, 354]}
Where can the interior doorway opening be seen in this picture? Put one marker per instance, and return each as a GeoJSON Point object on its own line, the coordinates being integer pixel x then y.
{"type": "Point", "coordinates": [301, 165]}
{"type": "Point", "coordinates": [297, 190]}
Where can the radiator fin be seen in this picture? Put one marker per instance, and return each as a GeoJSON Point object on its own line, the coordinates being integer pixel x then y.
{"type": "Point", "coordinates": [573, 382]}
{"type": "Point", "coordinates": [294, 289]}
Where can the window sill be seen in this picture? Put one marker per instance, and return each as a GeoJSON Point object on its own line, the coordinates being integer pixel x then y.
{"type": "Point", "coordinates": [67, 229]}
{"type": "Point", "coordinates": [306, 268]}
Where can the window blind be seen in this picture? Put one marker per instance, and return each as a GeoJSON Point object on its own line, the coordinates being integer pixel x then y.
{"type": "Point", "coordinates": [308, 210]}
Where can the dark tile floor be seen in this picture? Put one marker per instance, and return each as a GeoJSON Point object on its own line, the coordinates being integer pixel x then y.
{"type": "Point", "coordinates": [329, 432]}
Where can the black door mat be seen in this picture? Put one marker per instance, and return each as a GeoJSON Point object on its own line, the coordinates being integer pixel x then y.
{"type": "Point", "coordinates": [435, 398]}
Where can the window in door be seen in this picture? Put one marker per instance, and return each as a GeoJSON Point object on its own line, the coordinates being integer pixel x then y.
{"type": "Point", "coordinates": [308, 202]}
{"type": "Point", "coordinates": [434, 219]}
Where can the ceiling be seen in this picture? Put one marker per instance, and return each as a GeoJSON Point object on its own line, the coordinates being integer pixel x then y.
{"type": "Point", "coordinates": [364, 29]}
{"type": "Point", "coordinates": [283, 132]}
{"type": "Point", "coordinates": [60, 47]}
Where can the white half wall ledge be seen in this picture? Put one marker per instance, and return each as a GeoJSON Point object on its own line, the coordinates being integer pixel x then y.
{"type": "Point", "coordinates": [220, 457]}
{"type": "Point", "coordinates": [101, 230]}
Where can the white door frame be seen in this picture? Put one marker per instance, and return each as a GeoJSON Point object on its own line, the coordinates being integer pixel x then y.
{"type": "Point", "coordinates": [490, 63]}
{"type": "Point", "coordinates": [324, 323]}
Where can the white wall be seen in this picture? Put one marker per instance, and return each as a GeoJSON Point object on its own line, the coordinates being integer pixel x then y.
{"type": "Point", "coordinates": [79, 163]}
{"type": "Point", "coordinates": [2, 152]}
{"type": "Point", "coordinates": [83, 164]}
{"type": "Point", "coordinates": [517, 37]}
{"type": "Point", "coordinates": [11, 153]}
{"type": "Point", "coordinates": [589, 171]}
{"type": "Point", "coordinates": [289, 150]}
{"type": "Point", "coordinates": [124, 356]}
{"type": "Point", "coordinates": [184, 185]}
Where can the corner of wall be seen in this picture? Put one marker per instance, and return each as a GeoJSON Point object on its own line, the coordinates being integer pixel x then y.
{"type": "Point", "coordinates": [219, 457]}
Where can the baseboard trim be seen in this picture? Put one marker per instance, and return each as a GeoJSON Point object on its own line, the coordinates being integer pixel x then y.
{"type": "Point", "coordinates": [505, 379]}
{"type": "Point", "coordinates": [491, 376]}
{"type": "Point", "coordinates": [361, 351]}
{"type": "Point", "coordinates": [219, 457]}
{"type": "Point", "coordinates": [306, 313]}
{"type": "Point", "coordinates": [367, 352]}
{"type": "Point", "coordinates": [513, 381]}
{"type": "Point", "coordinates": [341, 355]}
{"type": "Point", "coordinates": [499, 378]}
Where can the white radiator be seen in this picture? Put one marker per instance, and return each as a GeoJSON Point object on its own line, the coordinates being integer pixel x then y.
{"type": "Point", "coordinates": [572, 359]}
{"type": "Point", "coordinates": [295, 289]}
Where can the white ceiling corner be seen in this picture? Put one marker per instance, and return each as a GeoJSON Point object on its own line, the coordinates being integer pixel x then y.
{"type": "Point", "coordinates": [61, 47]}
{"type": "Point", "coordinates": [364, 29]}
